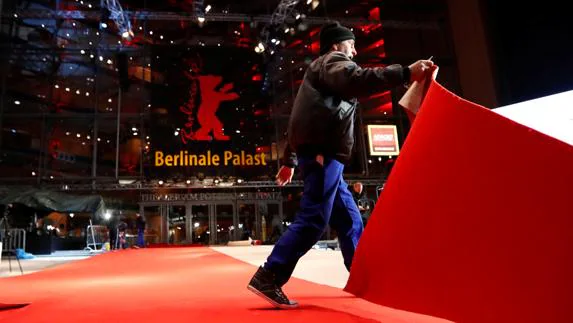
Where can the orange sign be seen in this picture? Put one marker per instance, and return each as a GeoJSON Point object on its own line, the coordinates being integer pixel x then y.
{"type": "Point", "coordinates": [383, 140]}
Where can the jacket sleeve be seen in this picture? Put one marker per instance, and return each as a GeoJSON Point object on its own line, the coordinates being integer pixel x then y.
{"type": "Point", "coordinates": [289, 158]}
{"type": "Point", "coordinates": [344, 77]}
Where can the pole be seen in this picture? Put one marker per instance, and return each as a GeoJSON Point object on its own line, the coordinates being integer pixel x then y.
{"type": "Point", "coordinates": [117, 134]}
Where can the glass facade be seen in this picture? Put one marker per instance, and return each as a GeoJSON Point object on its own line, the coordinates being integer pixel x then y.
{"type": "Point", "coordinates": [180, 107]}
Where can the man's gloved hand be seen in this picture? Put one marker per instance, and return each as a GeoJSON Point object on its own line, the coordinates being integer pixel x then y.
{"type": "Point", "coordinates": [420, 69]}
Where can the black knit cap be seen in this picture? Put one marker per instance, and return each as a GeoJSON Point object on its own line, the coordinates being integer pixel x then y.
{"type": "Point", "coordinates": [333, 33]}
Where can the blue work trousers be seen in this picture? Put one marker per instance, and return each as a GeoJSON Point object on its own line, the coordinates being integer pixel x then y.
{"type": "Point", "coordinates": [325, 200]}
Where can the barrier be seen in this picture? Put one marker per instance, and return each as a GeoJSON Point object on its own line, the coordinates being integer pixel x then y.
{"type": "Point", "coordinates": [96, 237]}
{"type": "Point", "coordinates": [14, 239]}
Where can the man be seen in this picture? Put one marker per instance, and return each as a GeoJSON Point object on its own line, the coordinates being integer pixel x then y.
{"type": "Point", "coordinates": [320, 140]}
{"type": "Point", "coordinates": [357, 193]}
{"type": "Point", "coordinates": [140, 224]}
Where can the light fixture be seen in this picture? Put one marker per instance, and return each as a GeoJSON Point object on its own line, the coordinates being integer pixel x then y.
{"type": "Point", "coordinates": [260, 48]}
{"type": "Point", "coordinates": [17, 102]}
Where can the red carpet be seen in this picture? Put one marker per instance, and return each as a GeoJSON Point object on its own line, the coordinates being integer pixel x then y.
{"type": "Point", "coordinates": [175, 285]}
{"type": "Point", "coordinates": [475, 223]}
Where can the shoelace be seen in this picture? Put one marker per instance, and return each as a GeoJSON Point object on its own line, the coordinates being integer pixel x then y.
{"type": "Point", "coordinates": [279, 292]}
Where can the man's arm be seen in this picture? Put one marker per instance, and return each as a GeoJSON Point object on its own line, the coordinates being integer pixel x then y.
{"type": "Point", "coordinates": [289, 158]}
{"type": "Point", "coordinates": [344, 77]}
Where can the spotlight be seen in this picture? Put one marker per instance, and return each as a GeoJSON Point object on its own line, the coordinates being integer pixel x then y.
{"type": "Point", "coordinates": [160, 182]}
{"type": "Point", "coordinates": [260, 48]}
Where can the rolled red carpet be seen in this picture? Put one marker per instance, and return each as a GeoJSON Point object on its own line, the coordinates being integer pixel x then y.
{"type": "Point", "coordinates": [475, 223]}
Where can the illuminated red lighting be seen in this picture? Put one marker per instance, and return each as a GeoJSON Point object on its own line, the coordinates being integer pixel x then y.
{"type": "Point", "coordinates": [374, 14]}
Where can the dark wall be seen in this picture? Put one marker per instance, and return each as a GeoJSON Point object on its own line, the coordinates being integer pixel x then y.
{"type": "Point", "coordinates": [531, 47]}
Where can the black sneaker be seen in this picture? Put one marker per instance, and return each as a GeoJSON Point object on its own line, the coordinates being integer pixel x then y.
{"type": "Point", "coordinates": [263, 284]}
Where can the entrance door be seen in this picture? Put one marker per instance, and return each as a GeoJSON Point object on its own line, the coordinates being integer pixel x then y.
{"type": "Point", "coordinates": [248, 221]}
{"type": "Point", "coordinates": [273, 224]}
{"type": "Point", "coordinates": [226, 223]}
{"type": "Point", "coordinates": [177, 224]}
{"type": "Point", "coordinates": [201, 224]}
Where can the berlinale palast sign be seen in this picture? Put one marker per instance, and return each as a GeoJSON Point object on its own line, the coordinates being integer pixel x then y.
{"type": "Point", "coordinates": [227, 158]}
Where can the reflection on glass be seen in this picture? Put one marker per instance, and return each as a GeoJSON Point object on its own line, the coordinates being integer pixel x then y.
{"type": "Point", "coordinates": [153, 224]}
{"type": "Point", "coordinates": [247, 226]}
{"type": "Point", "coordinates": [176, 220]}
{"type": "Point", "coordinates": [226, 229]}
{"type": "Point", "coordinates": [275, 225]}
{"type": "Point", "coordinates": [200, 224]}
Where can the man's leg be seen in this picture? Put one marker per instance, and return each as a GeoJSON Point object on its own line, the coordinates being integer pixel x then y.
{"type": "Point", "coordinates": [347, 222]}
{"type": "Point", "coordinates": [320, 186]}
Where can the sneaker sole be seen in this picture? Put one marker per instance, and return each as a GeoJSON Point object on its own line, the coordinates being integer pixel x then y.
{"type": "Point", "coordinates": [275, 304]}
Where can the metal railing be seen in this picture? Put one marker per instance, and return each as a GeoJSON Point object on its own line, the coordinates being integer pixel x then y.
{"type": "Point", "coordinates": [14, 239]}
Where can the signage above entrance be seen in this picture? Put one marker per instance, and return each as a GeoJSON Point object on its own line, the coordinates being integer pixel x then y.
{"type": "Point", "coordinates": [173, 197]}
{"type": "Point", "coordinates": [184, 158]}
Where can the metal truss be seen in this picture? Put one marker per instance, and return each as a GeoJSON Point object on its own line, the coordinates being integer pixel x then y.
{"type": "Point", "coordinates": [216, 17]}
{"type": "Point", "coordinates": [283, 10]}
{"type": "Point", "coordinates": [119, 17]}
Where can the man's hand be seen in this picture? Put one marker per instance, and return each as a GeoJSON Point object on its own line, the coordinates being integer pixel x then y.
{"type": "Point", "coordinates": [420, 69]}
{"type": "Point", "coordinates": [284, 176]}
{"type": "Point", "coordinates": [320, 159]}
